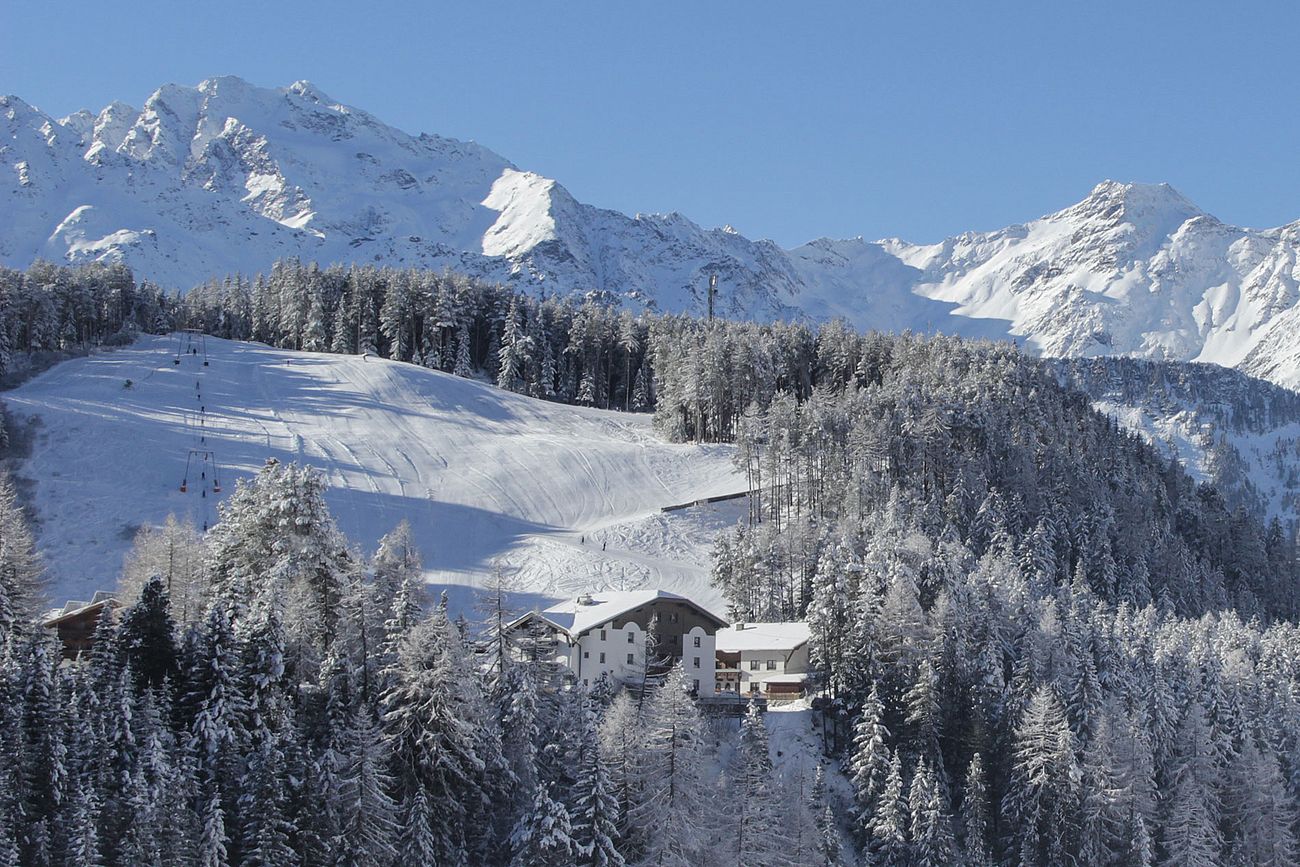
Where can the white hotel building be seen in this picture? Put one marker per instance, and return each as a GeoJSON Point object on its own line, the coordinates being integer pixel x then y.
{"type": "Point", "coordinates": [604, 633]}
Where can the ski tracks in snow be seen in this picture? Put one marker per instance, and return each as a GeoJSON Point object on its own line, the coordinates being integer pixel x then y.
{"type": "Point", "coordinates": [483, 475]}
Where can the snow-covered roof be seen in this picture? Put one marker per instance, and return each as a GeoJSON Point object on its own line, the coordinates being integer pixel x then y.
{"type": "Point", "coordinates": [787, 678]}
{"type": "Point", "coordinates": [77, 607]}
{"type": "Point", "coordinates": [762, 636]}
{"type": "Point", "coordinates": [576, 616]}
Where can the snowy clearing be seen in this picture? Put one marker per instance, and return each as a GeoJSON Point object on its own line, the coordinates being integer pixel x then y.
{"type": "Point", "coordinates": [483, 475]}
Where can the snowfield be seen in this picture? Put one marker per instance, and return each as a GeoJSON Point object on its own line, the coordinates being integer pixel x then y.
{"type": "Point", "coordinates": [566, 497]}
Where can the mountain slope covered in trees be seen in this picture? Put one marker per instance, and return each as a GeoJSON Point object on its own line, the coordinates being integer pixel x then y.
{"type": "Point", "coordinates": [1040, 641]}
{"type": "Point", "coordinates": [227, 177]}
{"type": "Point", "coordinates": [1036, 639]}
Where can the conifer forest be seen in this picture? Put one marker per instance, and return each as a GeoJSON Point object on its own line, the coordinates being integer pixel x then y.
{"type": "Point", "coordinates": [1036, 639]}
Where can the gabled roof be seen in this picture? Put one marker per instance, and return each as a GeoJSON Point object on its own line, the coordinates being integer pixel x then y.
{"type": "Point", "coordinates": [763, 636]}
{"type": "Point", "coordinates": [77, 608]}
{"type": "Point", "coordinates": [576, 616]}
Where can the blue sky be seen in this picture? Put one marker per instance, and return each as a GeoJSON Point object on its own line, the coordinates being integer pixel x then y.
{"type": "Point", "coordinates": [788, 121]}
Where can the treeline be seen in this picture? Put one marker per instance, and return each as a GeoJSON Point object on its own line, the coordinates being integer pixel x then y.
{"type": "Point", "coordinates": [574, 350]}
{"type": "Point", "coordinates": [50, 308]}
{"type": "Point", "coordinates": [271, 698]}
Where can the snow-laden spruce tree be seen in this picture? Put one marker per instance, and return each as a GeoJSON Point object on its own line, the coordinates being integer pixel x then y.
{"type": "Point", "coordinates": [869, 762]}
{"type": "Point", "coordinates": [464, 364]}
{"type": "Point", "coordinates": [975, 816]}
{"type": "Point", "coordinates": [147, 637]}
{"type": "Point", "coordinates": [367, 814]}
{"type": "Point", "coordinates": [624, 751]}
{"type": "Point", "coordinates": [516, 350]}
{"type": "Point", "coordinates": [888, 843]}
{"type": "Point", "coordinates": [276, 535]}
{"type": "Point", "coordinates": [1192, 807]}
{"type": "Point", "coordinates": [543, 836]}
{"type": "Point", "coordinates": [595, 816]}
{"type": "Point", "coordinates": [433, 715]}
{"type": "Point", "coordinates": [1042, 796]}
{"type": "Point", "coordinates": [933, 841]}
{"type": "Point", "coordinates": [20, 566]}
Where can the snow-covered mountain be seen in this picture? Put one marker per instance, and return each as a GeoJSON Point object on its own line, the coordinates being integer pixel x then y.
{"type": "Point", "coordinates": [228, 177]}
{"type": "Point", "coordinates": [1224, 427]}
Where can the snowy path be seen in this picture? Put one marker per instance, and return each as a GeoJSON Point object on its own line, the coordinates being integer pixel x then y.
{"type": "Point", "coordinates": [484, 476]}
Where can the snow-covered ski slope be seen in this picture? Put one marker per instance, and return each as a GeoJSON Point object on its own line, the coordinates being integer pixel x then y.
{"type": "Point", "coordinates": [567, 497]}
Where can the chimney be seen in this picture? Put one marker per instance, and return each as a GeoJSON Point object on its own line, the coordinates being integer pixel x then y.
{"type": "Point", "coordinates": [584, 599]}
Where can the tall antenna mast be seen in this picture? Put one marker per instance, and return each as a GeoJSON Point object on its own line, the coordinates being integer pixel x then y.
{"type": "Point", "coordinates": [713, 293]}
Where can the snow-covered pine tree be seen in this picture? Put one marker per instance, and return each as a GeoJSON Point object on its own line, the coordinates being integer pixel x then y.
{"type": "Point", "coordinates": [976, 850]}
{"type": "Point", "coordinates": [175, 552]}
{"type": "Point", "coordinates": [516, 350]}
{"type": "Point", "coordinates": [464, 365]}
{"type": "Point", "coordinates": [749, 835]}
{"type": "Point", "coordinates": [147, 637]}
{"type": "Point", "coordinates": [595, 817]}
{"type": "Point", "coordinates": [1191, 808]}
{"type": "Point", "coordinates": [888, 844]}
{"type": "Point", "coordinates": [624, 750]}
{"type": "Point", "coordinates": [933, 842]}
{"type": "Point", "coordinates": [368, 816]}
{"type": "Point", "coordinates": [20, 565]}
{"type": "Point", "coordinates": [433, 712]}
{"type": "Point", "coordinates": [276, 535]}
{"type": "Point", "coordinates": [543, 837]}
{"type": "Point", "coordinates": [415, 840]}
{"type": "Point", "coordinates": [869, 764]}
{"type": "Point", "coordinates": [1041, 797]}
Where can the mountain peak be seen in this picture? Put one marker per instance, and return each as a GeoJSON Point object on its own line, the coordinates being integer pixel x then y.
{"type": "Point", "coordinates": [1128, 202]}
{"type": "Point", "coordinates": [307, 90]}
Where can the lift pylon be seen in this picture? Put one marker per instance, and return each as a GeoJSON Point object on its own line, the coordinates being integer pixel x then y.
{"type": "Point", "coordinates": [192, 342]}
{"type": "Point", "coordinates": [204, 463]}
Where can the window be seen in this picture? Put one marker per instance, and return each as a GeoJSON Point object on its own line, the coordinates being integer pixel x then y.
{"type": "Point", "coordinates": [697, 685]}
{"type": "Point", "coordinates": [753, 665]}
{"type": "Point", "coordinates": [602, 659]}
{"type": "Point", "coordinates": [697, 641]}
{"type": "Point", "coordinates": [753, 687]}
{"type": "Point", "coordinates": [586, 655]}
{"type": "Point", "coordinates": [602, 635]}
{"type": "Point", "coordinates": [631, 658]}
{"type": "Point", "coordinates": [771, 665]}
{"type": "Point", "coordinates": [630, 637]}
{"type": "Point", "coordinates": [696, 663]}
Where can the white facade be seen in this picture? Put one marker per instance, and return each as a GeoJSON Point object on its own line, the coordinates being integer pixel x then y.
{"type": "Point", "coordinates": [620, 653]}
{"type": "Point", "coordinates": [599, 635]}
{"type": "Point", "coordinates": [766, 654]}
